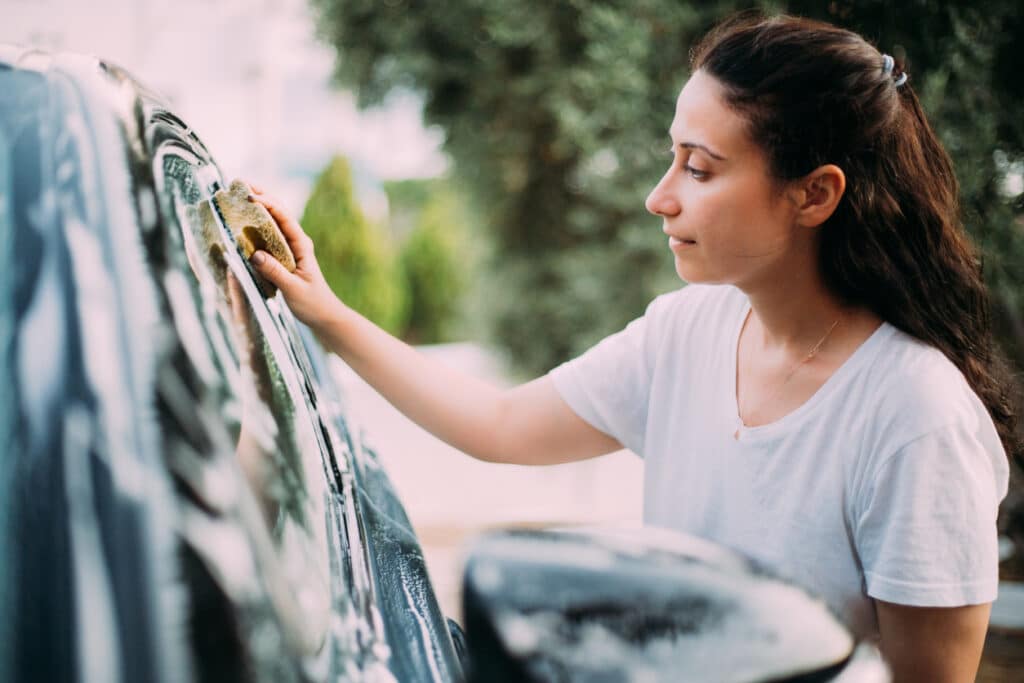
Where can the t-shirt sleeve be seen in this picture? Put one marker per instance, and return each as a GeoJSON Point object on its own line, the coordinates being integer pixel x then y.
{"type": "Point", "coordinates": [927, 532]}
{"type": "Point", "coordinates": [609, 385]}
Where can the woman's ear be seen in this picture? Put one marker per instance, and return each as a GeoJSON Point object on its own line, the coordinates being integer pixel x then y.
{"type": "Point", "coordinates": [818, 195]}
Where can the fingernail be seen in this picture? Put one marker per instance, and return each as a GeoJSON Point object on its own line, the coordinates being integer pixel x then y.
{"type": "Point", "coordinates": [258, 258]}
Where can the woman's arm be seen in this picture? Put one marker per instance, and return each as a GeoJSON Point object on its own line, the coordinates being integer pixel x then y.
{"type": "Point", "coordinates": [528, 425]}
{"type": "Point", "coordinates": [935, 644]}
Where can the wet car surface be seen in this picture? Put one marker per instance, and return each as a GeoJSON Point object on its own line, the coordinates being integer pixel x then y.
{"type": "Point", "coordinates": [183, 496]}
{"type": "Point", "coordinates": [187, 501]}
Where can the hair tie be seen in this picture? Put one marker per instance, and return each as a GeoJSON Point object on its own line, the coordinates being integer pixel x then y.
{"type": "Point", "coordinates": [888, 63]}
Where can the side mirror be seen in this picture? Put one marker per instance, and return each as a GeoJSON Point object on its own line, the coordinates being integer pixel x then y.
{"type": "Point", "coordinates": [644, 605]}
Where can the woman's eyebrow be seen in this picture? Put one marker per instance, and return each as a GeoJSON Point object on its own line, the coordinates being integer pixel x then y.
{"type": "Point", "coordinates": [704, 148]}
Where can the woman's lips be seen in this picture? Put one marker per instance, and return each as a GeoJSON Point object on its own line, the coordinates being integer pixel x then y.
{"type": "Point", "coordinates": [674, 243]}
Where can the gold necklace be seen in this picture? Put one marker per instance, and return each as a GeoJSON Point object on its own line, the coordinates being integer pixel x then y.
{"type": "Point", "coordinates": [789, 375]}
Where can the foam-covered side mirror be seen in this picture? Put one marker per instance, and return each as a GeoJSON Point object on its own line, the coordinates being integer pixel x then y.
{"type": "Point", "coordinates": [642, 605]}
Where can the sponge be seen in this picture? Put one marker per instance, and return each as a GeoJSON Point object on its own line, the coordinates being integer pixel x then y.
{"type": "Point", "coordinates": [210, 241]}
{"type": "Point", "coordinates": [254, 229]}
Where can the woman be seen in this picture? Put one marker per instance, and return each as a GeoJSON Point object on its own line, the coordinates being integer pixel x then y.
{"type": "Point", "coordinates": [824, 395]}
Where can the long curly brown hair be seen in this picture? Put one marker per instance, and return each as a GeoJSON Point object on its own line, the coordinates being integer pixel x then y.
{"type": "Point", "coordinates": [815, 94]}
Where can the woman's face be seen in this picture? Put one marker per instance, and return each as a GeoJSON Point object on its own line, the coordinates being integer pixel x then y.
{"type": "Point", "coordinates": [727, 221]}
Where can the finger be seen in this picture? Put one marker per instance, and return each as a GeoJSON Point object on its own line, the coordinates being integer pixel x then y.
{"type": "Point", "coordinates": [272, 270]}
{"type": "Point", "coordinates": [254, 189]}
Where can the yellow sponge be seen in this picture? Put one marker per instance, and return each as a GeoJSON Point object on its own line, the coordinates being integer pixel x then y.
{"type": "Point", "coordinates": [254, 229]}
{"type": "Point", "coordinates": [210, 241]}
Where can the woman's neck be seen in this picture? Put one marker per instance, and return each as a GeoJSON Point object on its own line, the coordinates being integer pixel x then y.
{"type": "Point", "coordinates": [791, 314]}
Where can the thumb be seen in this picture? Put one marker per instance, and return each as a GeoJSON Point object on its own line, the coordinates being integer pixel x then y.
{"type": "Point", "coordinates": [272, 270]}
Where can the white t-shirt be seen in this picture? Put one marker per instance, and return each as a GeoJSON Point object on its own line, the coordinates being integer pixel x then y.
{"type": "Point", "coordinates": [885, 483]}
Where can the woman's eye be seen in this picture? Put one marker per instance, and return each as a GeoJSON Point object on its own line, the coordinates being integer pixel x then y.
{"type": "Point", "coordinates": [695, 173]}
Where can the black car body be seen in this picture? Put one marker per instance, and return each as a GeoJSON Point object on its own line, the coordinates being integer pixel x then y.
{"type": "Point", "coordinates": [182, 497]}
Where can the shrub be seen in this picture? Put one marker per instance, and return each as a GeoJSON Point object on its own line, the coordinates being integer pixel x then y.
{"type": "Point", "coordinates": [436, 264]}
{"type": "Point", "coordinates": [355, 257]}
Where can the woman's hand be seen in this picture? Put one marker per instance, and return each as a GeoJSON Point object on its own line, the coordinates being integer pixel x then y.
{"type": "Point", "coordinates": [306, 291]}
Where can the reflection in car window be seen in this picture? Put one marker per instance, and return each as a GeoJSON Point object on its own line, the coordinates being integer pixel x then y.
{"type": "Point", "coordinates": [263, 407]}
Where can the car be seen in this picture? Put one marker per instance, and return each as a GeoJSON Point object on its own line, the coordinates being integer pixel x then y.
{"type": "Point", "coordinates": [182, 493]}
{"type": "Point", "coordinates": [184, 497]}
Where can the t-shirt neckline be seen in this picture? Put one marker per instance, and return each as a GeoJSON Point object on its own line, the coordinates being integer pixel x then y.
{"type": "Point", "coordinates": [850, 366]}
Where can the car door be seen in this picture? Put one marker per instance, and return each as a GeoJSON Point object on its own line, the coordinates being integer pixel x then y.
{"type": "Point", "coordinates": [181, 497]}
{"type": "Point", "coordinates": [370, 554]}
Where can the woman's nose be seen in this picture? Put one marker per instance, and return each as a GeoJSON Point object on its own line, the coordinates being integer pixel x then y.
{"type": "Point", "coordinates": [661, 201]}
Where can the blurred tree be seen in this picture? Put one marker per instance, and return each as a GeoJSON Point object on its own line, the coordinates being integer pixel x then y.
{"type": "Point", "coordinates": [354, 256]}
{"type": "Point", "coordinates": [555, 115]}
{"type": "Point", "coordinates": [406, 198]}
{"type": "Point", "coordinates": [436, 255]}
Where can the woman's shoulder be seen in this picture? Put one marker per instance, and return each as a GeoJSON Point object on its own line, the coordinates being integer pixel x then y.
{"type": "Point", "coordinates": [919, 391]}
{"type": "Point", "coordinates": [917, 370]}
{"type": "Point", "coordinates": [925, 424]}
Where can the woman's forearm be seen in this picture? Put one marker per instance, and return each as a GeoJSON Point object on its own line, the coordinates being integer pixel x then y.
{"type": "Point", "coordinates": [454, 406]}
{"type": "Point", "coordinates": [529, 424]}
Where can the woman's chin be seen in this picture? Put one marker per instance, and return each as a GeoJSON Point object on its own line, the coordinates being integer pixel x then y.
{"type": "Point", "coordinates": [691, 273]}
{"type": "Point", "coordinates": [687, 272]}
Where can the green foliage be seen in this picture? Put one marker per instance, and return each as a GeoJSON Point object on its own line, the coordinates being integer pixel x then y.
{"type": "Point", "coordinates": [354, 256]}
{"type": "Point", "coordinates": [556, 116]}
{"type": "Point", "coordinates": [435, 256]}
{"type": "Point", "coordinates": [406, 198]}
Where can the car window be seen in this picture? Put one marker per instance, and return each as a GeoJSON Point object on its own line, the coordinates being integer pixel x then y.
{"type": "Point", "coordinates": [228, 330]}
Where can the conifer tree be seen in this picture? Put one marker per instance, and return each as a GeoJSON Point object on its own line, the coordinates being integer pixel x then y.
{"type": "Point", "coordinates": [355, 258]}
